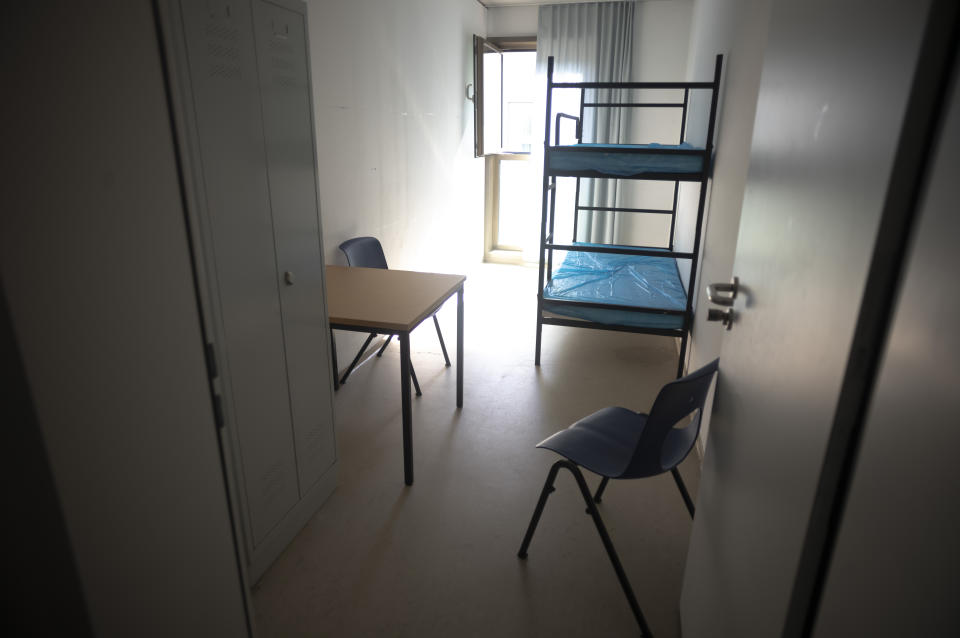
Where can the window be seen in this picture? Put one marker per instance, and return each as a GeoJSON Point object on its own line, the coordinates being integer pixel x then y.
{"type": "Point", "coordinates": [505, 100]}
{"type": "Point", "coordinates": [487, 99]}
{"type": "Point", "coordinates": [504, 96]}
{"type": "Point", "coordinates": [519, 73]}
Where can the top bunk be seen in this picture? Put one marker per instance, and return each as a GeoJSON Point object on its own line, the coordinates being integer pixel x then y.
{"type": "Point", "coordinates": [673, 162]}
{"type": "Point", "coordinates": [683, 162]}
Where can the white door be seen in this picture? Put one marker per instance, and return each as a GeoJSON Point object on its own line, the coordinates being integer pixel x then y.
{"type": "Point", "coordinates": [833, 94]}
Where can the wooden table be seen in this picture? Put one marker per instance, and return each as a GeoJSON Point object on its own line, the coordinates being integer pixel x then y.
{"type": "Point", "coordinates": [393, 302]}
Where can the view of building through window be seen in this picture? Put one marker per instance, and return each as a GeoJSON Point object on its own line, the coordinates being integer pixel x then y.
{"type": "Point", "coordinates": [519, 95]}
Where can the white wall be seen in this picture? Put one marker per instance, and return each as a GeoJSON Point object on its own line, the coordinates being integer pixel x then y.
{"type": "Point", "coordinates": [394, 130]}
{"type": "Point", "coordinates": [738, 30]}
{"type": "Point", "coordinates": [661, 40]}
{"type": "Point", "coordinates": [504, 21]}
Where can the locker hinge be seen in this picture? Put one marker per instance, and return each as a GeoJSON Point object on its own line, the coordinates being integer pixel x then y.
{"type": "Point", "coordinates": [213, 374]}
{"type": "Point", "coordinates": [218, 411]}
{"type": "Point", "coordinates": [211, 361]}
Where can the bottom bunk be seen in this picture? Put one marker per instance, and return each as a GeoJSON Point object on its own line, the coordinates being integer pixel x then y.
{"type": "Point", "coordinates": [607, 291]}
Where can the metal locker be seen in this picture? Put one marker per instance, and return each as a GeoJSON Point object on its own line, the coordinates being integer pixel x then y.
{"type": "Point", "coordinates": [288, 128]}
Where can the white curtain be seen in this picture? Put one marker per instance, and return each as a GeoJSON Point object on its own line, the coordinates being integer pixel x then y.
{"type": "Point", "coordinates": [590, 42]}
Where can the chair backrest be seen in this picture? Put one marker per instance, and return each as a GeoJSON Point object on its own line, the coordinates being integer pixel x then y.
{"type": "Point", "coordinates": [364, 252]}
{"type": "Point", "coordinates": [662, 446]}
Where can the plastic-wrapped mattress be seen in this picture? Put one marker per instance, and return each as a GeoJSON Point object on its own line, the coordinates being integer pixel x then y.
{"type": "Point", "coordinates": [616, 159]}
{"type": "Point", "coordinates": [646, 282]}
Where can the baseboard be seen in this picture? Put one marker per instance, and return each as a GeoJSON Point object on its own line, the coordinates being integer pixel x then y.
{"type": "Point", "coordinates": [270, 548]}
{"type": "Point", "coordinates": [511, 257]}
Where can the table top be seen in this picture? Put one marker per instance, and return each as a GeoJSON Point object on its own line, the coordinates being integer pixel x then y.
{"type": "Point", "coordinates": [382, 299]}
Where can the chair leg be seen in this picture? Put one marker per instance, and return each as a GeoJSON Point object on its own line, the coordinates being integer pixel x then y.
{"type": "Point", "coordinates": [384, 346]}
{"type": "Point", "coordinates": [443, 346]}
{"type": "Point", "coordinates": [416, 384]}
{"type": "Point", "coordinates": [356, 359]}
{"type": "Point", "coordinates": [333, 361]}
{"type": "Point", "coordinates": [683, 491]}
{"type": "Point", "coordinates": [682, 356]}
{"type": "Point", "coordinates": [547, 489]}
{"type": "Point", "coordinates": [601, 529]}
{"type": "Point", "coordinates": [603, 486]}
{"type": "Point", "coordinates": [608, 545]}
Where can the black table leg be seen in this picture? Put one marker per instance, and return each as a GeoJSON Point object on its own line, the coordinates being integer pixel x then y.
{"type": "Point", "coordinates": [460, 347]}
{"type": "Point", "coordinates": [406, 407]}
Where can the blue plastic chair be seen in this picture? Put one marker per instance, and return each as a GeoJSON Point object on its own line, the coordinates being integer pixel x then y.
{"type": "Point", "coordinates": [617, 443]}
{"type": "Point", "coordinates": [366, 252]}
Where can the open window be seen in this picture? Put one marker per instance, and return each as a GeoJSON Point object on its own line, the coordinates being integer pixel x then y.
{"type": "Point", "coordinates": [504, 101]}
{"type": "Point", "coordinates": [504, 97]}
{"type": "Point", "coordinates": [487, 97]}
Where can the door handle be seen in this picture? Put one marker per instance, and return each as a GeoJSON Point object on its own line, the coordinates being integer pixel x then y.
{"type": "Point", "coordinates": [723, 294]}
{"type": "Point", "coordinates": [725, 317]}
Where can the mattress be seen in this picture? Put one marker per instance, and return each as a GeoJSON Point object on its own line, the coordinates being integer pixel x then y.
{"type": "Point", "coordinates": [616, 159]}
{"type": "Point", "coordinates": [622, 280]}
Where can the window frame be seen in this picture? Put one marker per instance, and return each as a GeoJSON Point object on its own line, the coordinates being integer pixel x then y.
{"type": "Point", "coordinates": [493, 250]}
{"type": "Point", "coordinates": [480, 46]}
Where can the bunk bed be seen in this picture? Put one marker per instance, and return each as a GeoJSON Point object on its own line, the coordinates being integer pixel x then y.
{"type": "Point", "coordinates": [621, 287]}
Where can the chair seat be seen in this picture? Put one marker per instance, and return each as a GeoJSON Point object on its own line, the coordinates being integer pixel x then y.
{"type": "Point", "coordinates": [603, 442]}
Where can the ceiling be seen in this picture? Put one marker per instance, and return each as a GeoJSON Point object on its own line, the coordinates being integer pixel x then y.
{"type": "Point", "coordinates": [518, 3]}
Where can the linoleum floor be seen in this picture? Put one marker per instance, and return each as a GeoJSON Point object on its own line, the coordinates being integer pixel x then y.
{"type": "Point", "coordinates": [439, 558]}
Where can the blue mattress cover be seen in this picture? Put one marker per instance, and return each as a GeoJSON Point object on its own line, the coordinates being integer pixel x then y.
{"type": "Point", "coordinates": [587, 157]}
{"type": "Point", "coordinates": [628, 280]}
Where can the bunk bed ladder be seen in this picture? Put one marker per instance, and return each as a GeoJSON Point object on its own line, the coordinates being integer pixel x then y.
{"type": "Point", "coordinates": [543, 219]}
{"type": "Point", "coordinates": [676, 185]}
{"type": "Point", "coordinates": [576, 211]}
{"type": "Point", "coordinates": [553, 209]}
{"type": "Point", "coordinates": [576, 196]}
{"type": "Point", "coordinates": [705, 177]}
{"type": "Point", "coordinates": [553, 184]}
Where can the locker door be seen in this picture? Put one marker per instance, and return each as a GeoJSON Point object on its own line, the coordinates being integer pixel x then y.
{"type": "Point", "coordinates": [223, 70]}
{"type": "Point", "coordinates": [288, 126]}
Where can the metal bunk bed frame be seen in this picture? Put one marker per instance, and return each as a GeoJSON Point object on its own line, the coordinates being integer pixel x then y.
{"type": "Point", "coordinates": [547, 244]}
